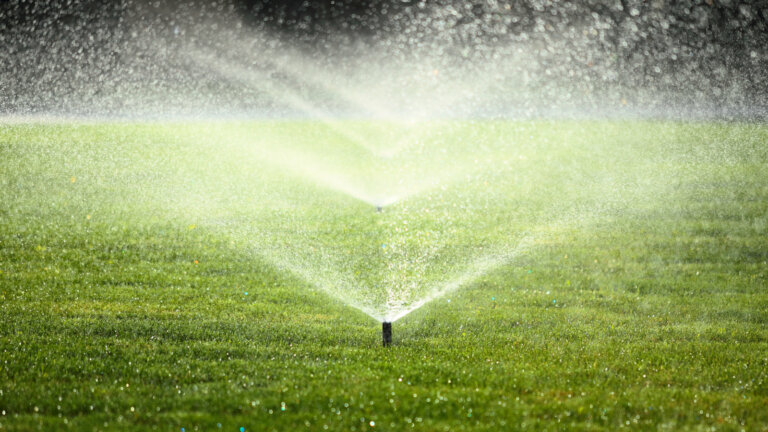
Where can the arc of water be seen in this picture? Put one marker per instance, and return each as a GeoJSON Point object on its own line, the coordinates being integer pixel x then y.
{"type": "Point", "coordinates": [289, 63]}
{"type": "Point", "coordinates": [308, 277]}
{"type": "Point", "coordinates": [397, 307]}
{"type": "Point", "coordinates": [316, 172]}
{"type": "Point", "coordinates": [479, 267]}
{"type": "Point", "coordinates": [261, 82]}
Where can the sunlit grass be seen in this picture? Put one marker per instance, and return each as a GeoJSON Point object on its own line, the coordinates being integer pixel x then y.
{"type": "Point", "coordinates": [134, 292]}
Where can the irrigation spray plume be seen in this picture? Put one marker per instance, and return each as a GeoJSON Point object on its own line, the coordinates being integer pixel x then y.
{"type": "Point", "coordinates": [407, 107]}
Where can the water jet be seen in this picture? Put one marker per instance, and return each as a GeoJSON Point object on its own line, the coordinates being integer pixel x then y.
{"type": "Point", "coordinates": [386, 333]}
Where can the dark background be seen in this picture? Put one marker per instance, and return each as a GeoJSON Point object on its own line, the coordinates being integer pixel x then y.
{"type": "Point", "coordinates": [714, 50]}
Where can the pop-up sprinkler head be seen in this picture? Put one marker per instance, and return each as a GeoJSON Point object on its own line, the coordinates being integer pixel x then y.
{"type": "Point", "coordinates": [378, 209]}
{"type": "Point", "coordinates": [386, 333]}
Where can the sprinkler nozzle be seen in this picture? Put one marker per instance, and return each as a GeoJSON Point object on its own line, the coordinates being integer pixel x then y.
{"type": "Point", "coordinates": [386, 333]}
{"type": "Point", "coordinates": [378, 209]}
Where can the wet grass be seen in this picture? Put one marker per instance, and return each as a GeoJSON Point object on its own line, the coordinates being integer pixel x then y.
{"type": "Point", "coordinates": [115, 315]}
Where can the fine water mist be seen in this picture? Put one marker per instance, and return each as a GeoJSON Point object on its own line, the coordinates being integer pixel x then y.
{"type": "Point", "coordinates": [440, 117]}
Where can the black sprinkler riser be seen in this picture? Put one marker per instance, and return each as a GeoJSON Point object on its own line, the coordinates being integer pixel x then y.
{"type": "Point", "coordinates": [378, 209]}
{"type": "Point", "coordinates": [386, 333]}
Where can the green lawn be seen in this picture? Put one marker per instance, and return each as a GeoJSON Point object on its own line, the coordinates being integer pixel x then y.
{"type": "Point", "coordinates": [199, 276]}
